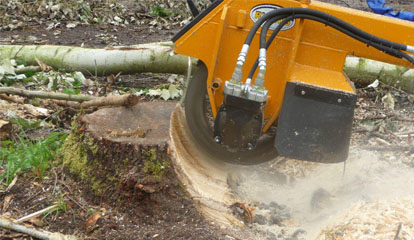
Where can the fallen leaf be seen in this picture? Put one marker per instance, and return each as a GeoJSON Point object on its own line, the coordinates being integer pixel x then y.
{"type": "Point", "coordinates": [174, 91]}
{"type": "Point", "coordinates": [92, 219]}
{"type": "Point", "coordinates": [5, 129]}
{"type": "Point", "coordinates": [36, 221]}
{"type": "Point", "coordinates": [71, 25]}
{"type": "Point", "coordinates": [7, 201]}
{"type": "Point", "coordinates": [154, 92]}
{"type": "Point", "coordinates": [375, 84]}
{"type": "Point", "coordinates": [389, 101]}
{"type": "Point", "coordinates": [165, 94]}
{"type": "Point", "coordinates": [411, 98]}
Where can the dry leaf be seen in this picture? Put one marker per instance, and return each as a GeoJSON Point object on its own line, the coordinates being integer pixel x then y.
{"type": "Point", "coordinates": [389, 101]}
{"type": "Point", "coordinates": [5, 129]}
{"type": "Point", "coordinates": [44, 67]}
{"type": "Point", "coordinates": [92, 219]}
{"type": "Point", "coordinates": [7, 201]}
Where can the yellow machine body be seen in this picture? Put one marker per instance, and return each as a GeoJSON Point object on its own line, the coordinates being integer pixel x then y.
{"type": "Point", "coordinates": [308, 52]}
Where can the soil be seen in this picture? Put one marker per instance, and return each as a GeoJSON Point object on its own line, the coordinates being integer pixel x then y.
{"type": "Point", "coordinates": [170, 216]}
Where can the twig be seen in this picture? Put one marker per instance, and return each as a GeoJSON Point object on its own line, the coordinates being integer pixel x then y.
{"type": "Point", "coordinates": [392, 148]}
{"type": "Point", "coordinates": [49, 95]}
{"type": "Point", "coordinates": [4, 223]}
{"type": "Point", "coordinates": [36, 214]}
{"type": "Point", "coordinates": [28, 69]}
{"type": "Point", "coordinates": [398, 231]}
{"type": "Point", "coordinates": [12, 99]}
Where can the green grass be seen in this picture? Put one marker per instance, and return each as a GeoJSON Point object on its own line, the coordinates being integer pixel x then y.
{"type": "Point", "coordinates": [158, 11]}
{"type": "Point", "coordinates": [28, 155]}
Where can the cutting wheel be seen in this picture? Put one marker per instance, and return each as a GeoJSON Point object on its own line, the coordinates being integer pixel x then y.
{"type": "Point", "coordinates": [197, 120]}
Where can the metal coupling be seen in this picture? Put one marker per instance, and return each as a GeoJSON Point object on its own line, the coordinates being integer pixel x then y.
{"type": "Point", "coordinates": [410, 49]}
{"type": "Point", "coordinates": [260, 79]}
{"type": "Point", "coordinates": [258, 94]}
{"type": "Point", "coordinates": [238, 72]}
{"type": "Point", "coordinates": [234, 88]}
{"type": "Point", "coordinates": [243, 54]}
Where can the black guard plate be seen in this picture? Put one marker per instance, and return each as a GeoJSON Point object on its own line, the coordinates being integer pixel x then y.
{"type": "Point", "coordinates": [315, 123]}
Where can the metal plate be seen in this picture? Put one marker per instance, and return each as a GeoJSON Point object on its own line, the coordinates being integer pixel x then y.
{"type": "Point", "coordinates": [315, 123]}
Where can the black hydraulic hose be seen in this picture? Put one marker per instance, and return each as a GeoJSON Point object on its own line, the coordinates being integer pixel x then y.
{"type": "Point", "coordinates": [267, 25]}
{"type": "Point", "coordinates": [390, 51]}
{"type": "Point", "coordinates": [325, 18]}
{"type": "Point", "coordinates": [271, 38]}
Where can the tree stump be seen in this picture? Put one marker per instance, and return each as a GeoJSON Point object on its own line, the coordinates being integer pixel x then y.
{"type": "Point", "coordinates": [122, 152]}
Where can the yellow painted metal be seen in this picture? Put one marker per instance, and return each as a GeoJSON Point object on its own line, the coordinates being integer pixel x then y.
{"type": "Point", "coordinates": [310, 52]}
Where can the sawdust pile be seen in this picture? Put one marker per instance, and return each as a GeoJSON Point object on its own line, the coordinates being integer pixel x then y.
{"type": "Point", "coordinates": [382, 219]}
{"type": "Point", "coordinates": [368, 201]}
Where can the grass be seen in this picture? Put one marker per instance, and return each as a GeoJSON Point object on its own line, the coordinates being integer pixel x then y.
{"type": "Point", "coordinates": [61, 208]}
{"type": "Point", "coordinates": [158, 11]}
{"type": "Point", "coordinates": [28, 155]}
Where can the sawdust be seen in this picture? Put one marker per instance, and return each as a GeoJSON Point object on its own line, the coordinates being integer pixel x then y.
{"type": "Point", "coordinates": [369, 180]}
{"type": "Point", "coordinates": [381, 219]}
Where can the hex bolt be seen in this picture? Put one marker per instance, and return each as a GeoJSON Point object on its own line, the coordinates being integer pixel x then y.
{"type": "Point", "coordinates": [217, 139]}
{"type": "Point", "coordinates": [249, 146]}
{"type": "Point", "coordinates": [303, 92]}
{"type": "Point", "coordinates": [339, 100]}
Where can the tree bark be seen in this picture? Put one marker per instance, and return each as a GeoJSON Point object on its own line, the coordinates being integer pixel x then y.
{"type": "Point", "coordinates": [365, 71]}
{"type": "Point", "coordinates": [155, 57]}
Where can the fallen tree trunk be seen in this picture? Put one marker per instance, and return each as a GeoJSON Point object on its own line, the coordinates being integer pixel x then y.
{"type": "Point", "coordinates": [155, 58]}
{"type": "Point", "coordinates": [365, 71]}
{"type": "Point", "coordinates": [159, 58]}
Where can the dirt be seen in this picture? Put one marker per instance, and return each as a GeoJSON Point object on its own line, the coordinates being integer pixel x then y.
{"type": "Point", "coordinates": [172, 216]}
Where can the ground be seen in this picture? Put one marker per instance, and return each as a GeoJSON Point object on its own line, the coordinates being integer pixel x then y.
{"type": "Point", "coordinates": [174, 215]}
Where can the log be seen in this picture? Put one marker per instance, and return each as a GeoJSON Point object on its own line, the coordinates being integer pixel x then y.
{"type": "Point", "coordinates": [365, 71]}
{"type": "Point", "coordinates": [159, 58]}
{"type": "Point", "coordinates": [155, 58]}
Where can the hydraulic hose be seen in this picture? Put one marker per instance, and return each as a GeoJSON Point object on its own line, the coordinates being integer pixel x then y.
{"type": "Point", "coordinates": [392, 51]}
{"type": "Point", "coordinates": [325, 18]}
{"type": "Point", "coordinates": [264, 44]}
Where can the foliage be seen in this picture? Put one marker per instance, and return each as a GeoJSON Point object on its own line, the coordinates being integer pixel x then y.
{"type": "Point", "coordinates": [28, 155]}
{"type": "Point", "coordinates": [158, 11]}
{"type": "Point", "coordinates": [61, 207]}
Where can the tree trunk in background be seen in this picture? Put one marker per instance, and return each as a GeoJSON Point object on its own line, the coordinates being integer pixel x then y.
{"type": "Point", "coordinates": [159, 58]}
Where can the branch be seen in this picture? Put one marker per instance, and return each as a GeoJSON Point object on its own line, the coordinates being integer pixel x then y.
{"type": "Point", "coordinates": [126, 100]}
{"type": "Point", "coordinates": [49, 95]}
{"type": "Point", "coordinates": [4, 223]}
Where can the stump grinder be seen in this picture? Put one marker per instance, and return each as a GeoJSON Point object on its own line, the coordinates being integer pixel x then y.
{"type": "Point", "coordinates": [269, 82]}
